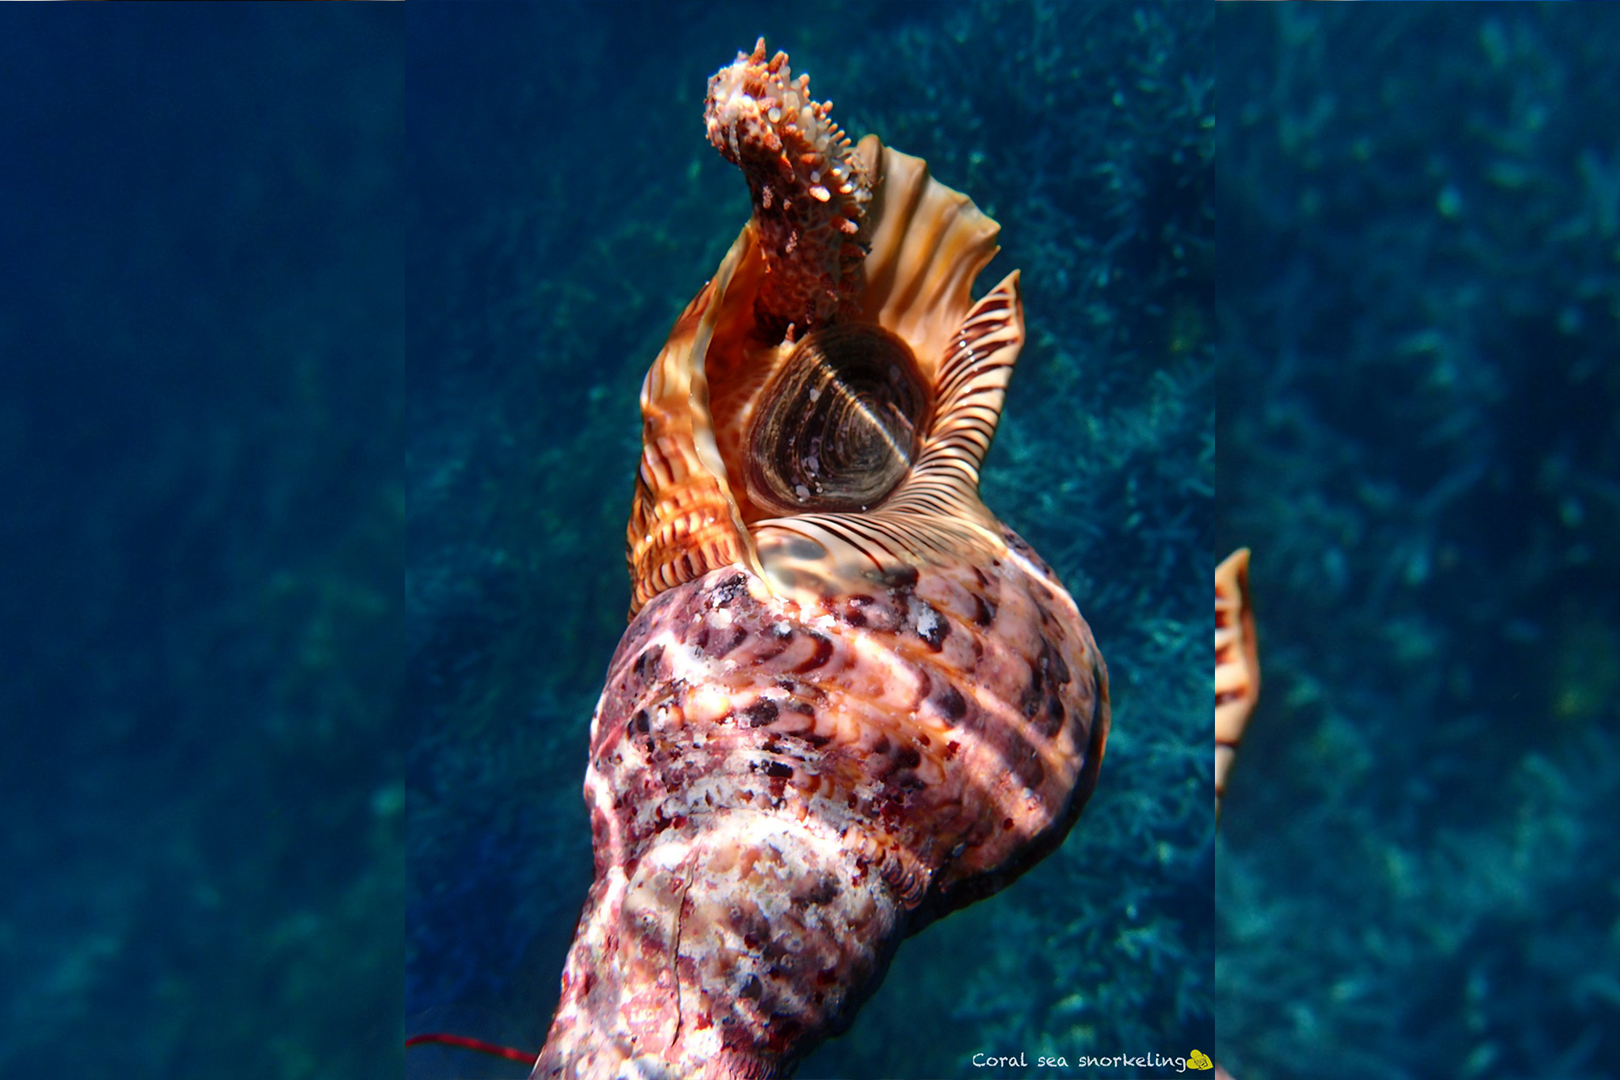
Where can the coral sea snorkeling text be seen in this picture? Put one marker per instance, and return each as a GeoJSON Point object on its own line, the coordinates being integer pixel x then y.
{"type": "Point", "coordinates": [1195, 1060]}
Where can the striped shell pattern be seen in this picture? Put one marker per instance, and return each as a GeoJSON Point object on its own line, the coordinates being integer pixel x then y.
{"type": "Point", "coordinates": [1237, 663]}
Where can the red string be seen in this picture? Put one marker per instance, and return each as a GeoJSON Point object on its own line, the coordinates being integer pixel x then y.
{"type": "Point", "coordinates": [473, 1044]}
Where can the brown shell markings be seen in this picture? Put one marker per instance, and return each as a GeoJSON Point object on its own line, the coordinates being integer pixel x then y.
{"type": "Point", "coordinates": [850, 699]}
{"type": "Point", "coordinates": [1237, 673]}
{"type": "Point", "coordinates": [1237, 663]}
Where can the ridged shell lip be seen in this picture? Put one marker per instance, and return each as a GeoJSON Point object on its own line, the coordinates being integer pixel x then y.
{"type": "Point", "coordinates": [694, 511]}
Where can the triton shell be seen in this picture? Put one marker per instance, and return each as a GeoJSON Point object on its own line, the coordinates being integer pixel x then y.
{"type": "Point", "coordinates": [850, 699]}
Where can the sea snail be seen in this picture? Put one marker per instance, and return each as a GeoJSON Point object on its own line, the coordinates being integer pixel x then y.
{"type": "Point", "coordinates": [850, 700]}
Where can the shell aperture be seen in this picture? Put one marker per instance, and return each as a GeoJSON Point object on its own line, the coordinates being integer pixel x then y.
{"type": "Point", "coordinates": [840, 423]}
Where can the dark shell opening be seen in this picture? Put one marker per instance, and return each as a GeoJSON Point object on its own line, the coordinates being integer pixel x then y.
{"type": "Point", "coordinates": [840, 423]}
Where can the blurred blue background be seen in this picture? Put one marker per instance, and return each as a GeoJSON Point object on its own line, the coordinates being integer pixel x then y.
{"type": "Point", "coordinates": [299, 304]}
{"type": "Point", "coordinates": [1419, 251]}
{"type": "Point", "coordinates": [201, 390]}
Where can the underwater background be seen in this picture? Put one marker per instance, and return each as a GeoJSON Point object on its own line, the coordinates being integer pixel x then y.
{"type": "Point", "coordinates": [320, 335]}
{"type": "Point", "coordinates": [1418, 215]}
{"type": "Point", "coordinates": [201, 648]}
{"type": "Point", "coordinates": [569, 208]}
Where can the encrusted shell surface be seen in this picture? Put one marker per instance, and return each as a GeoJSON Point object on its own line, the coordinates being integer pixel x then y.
{"type": "Point", "coordinates": [834, 716]}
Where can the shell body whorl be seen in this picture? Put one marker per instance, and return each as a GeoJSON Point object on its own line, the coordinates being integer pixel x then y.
{"type": "Point", "coordinates": [849, 699]}
{"type": "Point", "coordinates": [778, 795]}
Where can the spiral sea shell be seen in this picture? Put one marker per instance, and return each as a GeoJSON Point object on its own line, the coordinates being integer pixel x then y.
{"type": "Point", "coordinates": [850, 699]}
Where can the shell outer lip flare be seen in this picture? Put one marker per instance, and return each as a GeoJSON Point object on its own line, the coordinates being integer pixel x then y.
{"type": "Point", "coordinates": [832, 718]}
{"type": "Point", "coordinates": [1237, 674]}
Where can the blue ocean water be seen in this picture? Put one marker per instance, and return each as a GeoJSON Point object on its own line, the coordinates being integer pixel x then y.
{"type": "Point", "coordinates": [1419, 242]}
{"type": "Point", "coordinates": [201, 380]}
{"type": "Point", "coordinates": [320, 336]}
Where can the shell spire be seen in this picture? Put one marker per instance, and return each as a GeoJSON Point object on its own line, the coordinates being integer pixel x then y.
{"type": "Point", "coordinates": [850, 699]}
{"type": "Point", "coordinates": [808, 185]}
